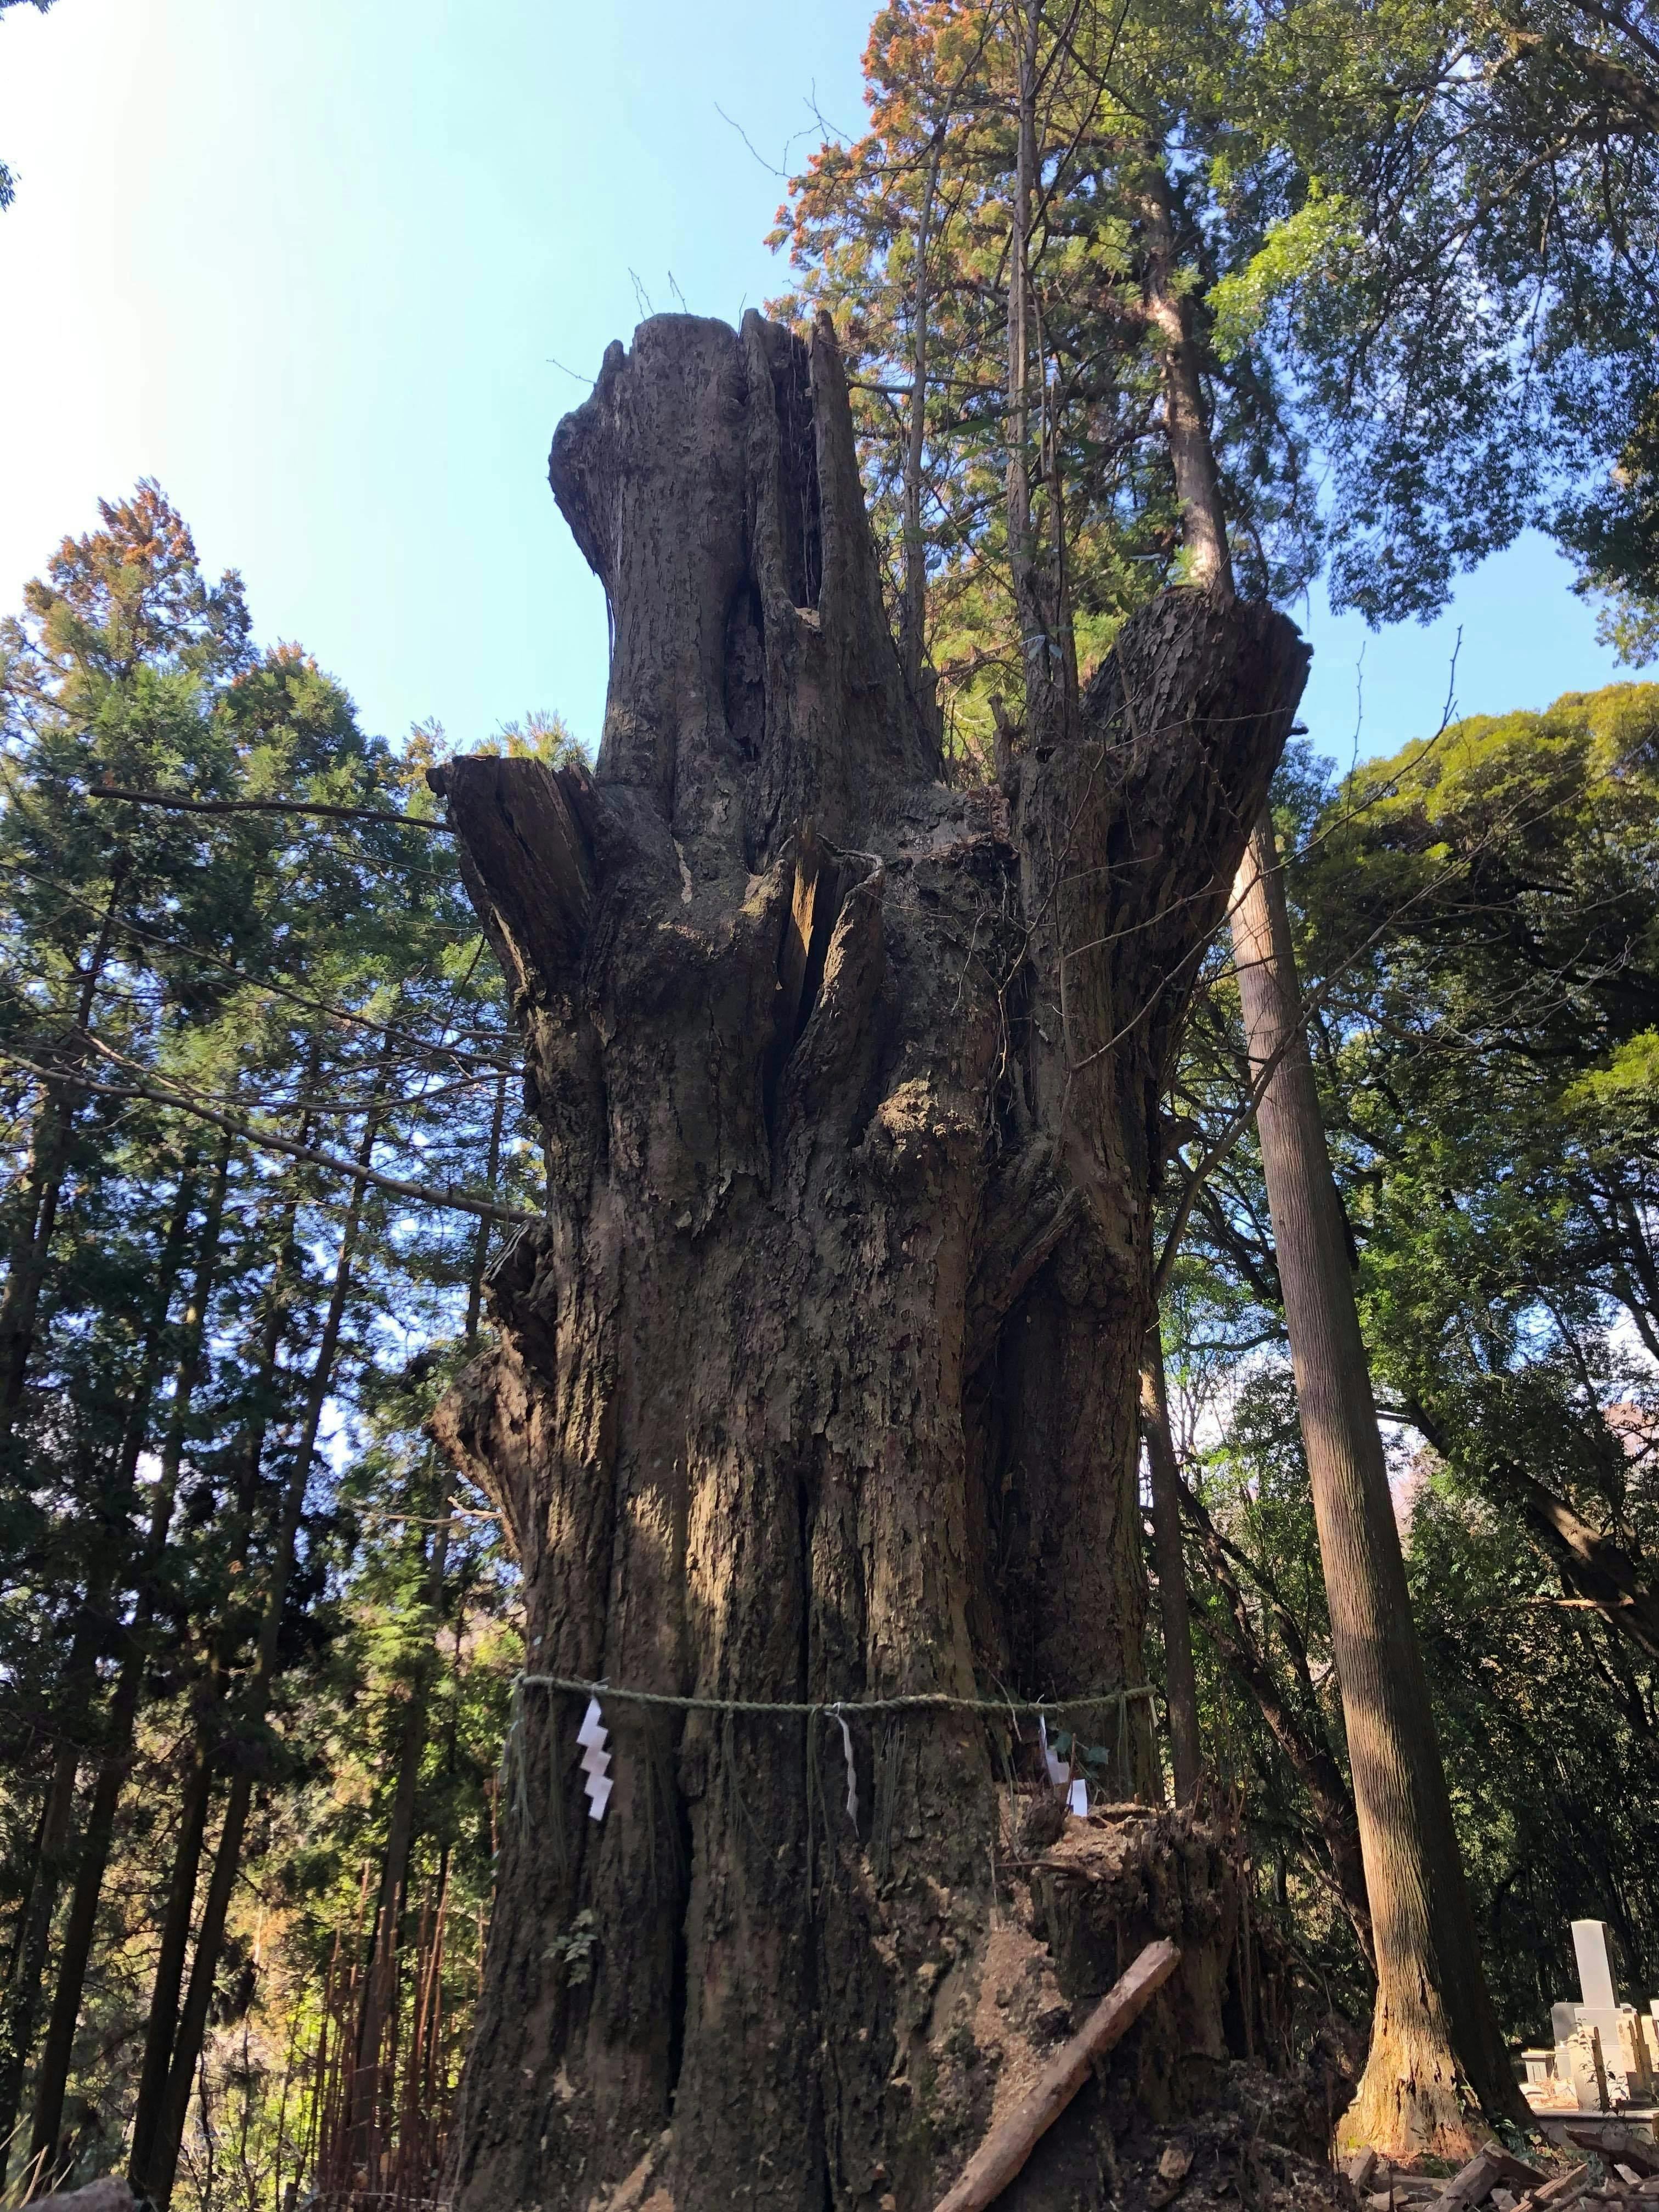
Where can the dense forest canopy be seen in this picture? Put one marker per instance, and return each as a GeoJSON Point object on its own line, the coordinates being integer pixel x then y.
{"type": "Point", "coordinates": [1389, 275]}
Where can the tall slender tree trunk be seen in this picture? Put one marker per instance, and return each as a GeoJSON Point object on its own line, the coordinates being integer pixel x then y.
{"type": "Point", "coordinates": [1030, 612]}
{"type": "Point", "coordinates": [163, 2154]}
{"type": "Point", "coordinates": [370, 2087]}
{"type": "Point", "coordinates": [1434, 2019]}
{"type": "Point", "coordinates": [54, 1854]}
{"type": "Point", "coordinates": [371, 2081]}
{"type": "Point", "coordinates": [1181, 1683]}
{"type": "Point", "coordinates": [1186, 412]}
{"type": "Point", "coordinates": [913, 634]}
{"type": "Point", "coordinates": [819, 1380]}
{"type": "Point", "coordinates": [25, 1275]}
{"type": "Point", "coordinates": [161, 2022]}
{"type": "Point", "coordinates": [115, 1752]}
{"type": "Point", "coordinates": [1434, 2016]}
{"type": "Point", "coordinates": [76, 1729]}
{"type": "Point", "coordinates": [196, 1797]}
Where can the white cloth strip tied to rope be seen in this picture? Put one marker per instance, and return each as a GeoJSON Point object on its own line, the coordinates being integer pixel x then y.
{"type": "Point", "coordinates": [596, 1759]}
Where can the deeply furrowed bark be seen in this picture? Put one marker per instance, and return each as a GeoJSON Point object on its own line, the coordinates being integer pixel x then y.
{"type": "Point", "coordinates": [820, 1379]}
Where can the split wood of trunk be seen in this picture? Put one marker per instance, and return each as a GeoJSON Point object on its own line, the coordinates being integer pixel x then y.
{"type": "Point", "coordinates": [1006, 2148]}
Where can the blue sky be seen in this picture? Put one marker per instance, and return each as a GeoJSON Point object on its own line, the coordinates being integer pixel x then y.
{"type": "Point", "coordinates": [311, 262]}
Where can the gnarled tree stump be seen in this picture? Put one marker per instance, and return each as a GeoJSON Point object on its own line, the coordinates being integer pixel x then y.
{"type": "Point", "coordinates": [820, 1379]}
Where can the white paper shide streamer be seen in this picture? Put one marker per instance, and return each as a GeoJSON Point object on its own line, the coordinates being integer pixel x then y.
{"type": "Point", "coordinates": [1059, 1772]}
{"type": "Point", "coordinates": [596, 1761]}
{"type": "Point", "coordinates": [852, 1770]}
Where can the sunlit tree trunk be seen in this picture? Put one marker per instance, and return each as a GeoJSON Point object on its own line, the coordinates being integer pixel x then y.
{"type": "Point", "coordinates": [1433, 2013]}
{"type": "Point", "coordinates": [1434, 2019]}
{"type": "Point", "coordinates": [1186, 411]}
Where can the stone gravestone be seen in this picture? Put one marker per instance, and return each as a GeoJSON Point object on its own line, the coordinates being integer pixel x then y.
{"type": "Point", "coordinates": [1629, 2080]}
{"type": "Point", "coordinates": [1579, 2059]}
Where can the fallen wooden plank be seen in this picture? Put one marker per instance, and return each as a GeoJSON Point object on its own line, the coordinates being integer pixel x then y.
{"type": "Point", "coordinates": [1360, 2168]}
{"type": "Point", "coordinates": [1006, 2148]}
{"type": "Point", "coordinates": [1563, 2185]}
{"type": "Point", "coordinates": [1470, 2183]}
{"type": "Point", "coordinates": [1558, 2195]}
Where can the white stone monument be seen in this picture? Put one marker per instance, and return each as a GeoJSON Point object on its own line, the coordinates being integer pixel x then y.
{"type": "Point", "coordinates": [1629, 2078]}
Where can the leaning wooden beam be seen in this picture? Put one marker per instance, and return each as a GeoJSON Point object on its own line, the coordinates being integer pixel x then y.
{"type": "Point", "coordinates": [1006, 2148]}
{"type": "Point", "coordinates": [1559, 2194]}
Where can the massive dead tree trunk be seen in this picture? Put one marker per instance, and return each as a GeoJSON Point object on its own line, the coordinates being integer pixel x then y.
{"type": "Point", "coordinates": [820, 1379]}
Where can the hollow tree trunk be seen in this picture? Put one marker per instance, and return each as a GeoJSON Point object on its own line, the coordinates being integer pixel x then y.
{"type": "Point", "coordinates": [820, 1378]}
{"type": "Point", "coordinates": [1434, 2017]}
